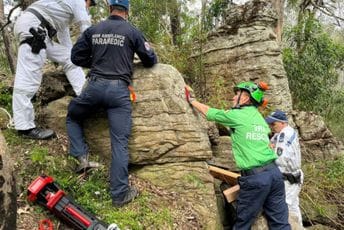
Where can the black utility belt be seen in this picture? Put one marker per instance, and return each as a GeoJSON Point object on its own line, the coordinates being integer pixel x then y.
{"type": "Point", "coordinates": [293, 179]}
{"type": "Point", "coordinates": [99, 77]}
{"type": "Point", "coordinates": [257, 170]}
{"type": "Point", "coordinates": [102, 78]}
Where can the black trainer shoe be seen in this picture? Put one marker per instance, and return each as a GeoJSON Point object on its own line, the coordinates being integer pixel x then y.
{"type": "Point", "coordinates": [85, 165]}
{"type": "Point", "coordinates": [131, 194]}
{"type": "Point", "coordinates": [37, 133]}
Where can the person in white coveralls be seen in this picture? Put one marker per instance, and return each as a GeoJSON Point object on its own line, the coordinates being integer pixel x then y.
{"type": "Point", "coordinates": [36, 29]}
{"type": "Point", "coordinates": [285, 143]}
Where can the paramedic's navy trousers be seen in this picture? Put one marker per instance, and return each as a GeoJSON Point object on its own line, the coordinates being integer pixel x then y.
{"type": "Point", "coordinates": [114, 97]}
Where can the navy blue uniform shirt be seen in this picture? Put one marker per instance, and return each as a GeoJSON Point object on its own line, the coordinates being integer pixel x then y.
{"type": "Point", "coordinates": [108, 49]}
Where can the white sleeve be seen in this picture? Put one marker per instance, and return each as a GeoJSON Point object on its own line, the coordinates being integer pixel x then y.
{"type": "Point", "coordinates": [81, 16]}
{"type": "Point", "coordinates": [64, 38]}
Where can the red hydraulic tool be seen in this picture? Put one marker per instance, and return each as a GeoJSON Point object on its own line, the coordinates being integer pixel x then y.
{"type": "Point", "coordinates": [45, 192]}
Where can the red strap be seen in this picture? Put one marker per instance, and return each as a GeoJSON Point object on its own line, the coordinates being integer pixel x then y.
{"type": "Point", "coordinates": [46, 224]}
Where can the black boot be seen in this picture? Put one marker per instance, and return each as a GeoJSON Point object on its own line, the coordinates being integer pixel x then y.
{"type": "Point", "coordinates": [37, 133]}
{"type": "Point", "coordinates": [85, 165]}
{"type": "Point", "coordinates": [131, 194]}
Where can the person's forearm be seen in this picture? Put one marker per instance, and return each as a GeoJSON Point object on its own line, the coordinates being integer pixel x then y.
{"type": "Point", "coordinates": [202, 108]}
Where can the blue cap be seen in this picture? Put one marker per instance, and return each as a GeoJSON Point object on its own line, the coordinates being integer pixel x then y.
{"type": "Point", "coordinates": [278, 115]}
{"type": "Point", "coordinates": [123, 3]}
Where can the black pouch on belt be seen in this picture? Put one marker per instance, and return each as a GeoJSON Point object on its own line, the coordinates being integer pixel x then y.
{"type": "Point", "coordinates": [38, 40]}
{"type": "Point", "coordinates": [293, 179]}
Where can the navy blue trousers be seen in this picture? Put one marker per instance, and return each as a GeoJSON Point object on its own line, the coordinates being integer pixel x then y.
{"type": "Point", "coordinates": [262, 191]}
{"type": "Point", "coordinates": [114, 97]}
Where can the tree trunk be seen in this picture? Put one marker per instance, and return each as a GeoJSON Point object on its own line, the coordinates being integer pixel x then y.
{"type": "Point", "coordinates": [7, 40]}
{"type": "Point", "coordinates": [175, 21]}
{"type": "Point", "coordinates": [279, 7]}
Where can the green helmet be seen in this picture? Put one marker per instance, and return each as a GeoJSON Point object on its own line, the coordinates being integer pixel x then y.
{"type": "Point", "coordinates": [256, 91]}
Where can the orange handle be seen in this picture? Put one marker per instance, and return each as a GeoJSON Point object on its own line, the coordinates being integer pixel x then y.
{"type": "Point", "coordinates": [132, 93]}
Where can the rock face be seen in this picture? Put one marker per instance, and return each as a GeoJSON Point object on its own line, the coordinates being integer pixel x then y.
{"type": "Point", "coordinates": [192, 182]}
{"type": "Point", "coordinates": [222, 154]}
{"type": "Point", "coordinates": [244, 48]}
{"type": "Point", "coordinates": [168, 138]}
{"type": "Point", "coordinates": [165, 129]}
{"type": "Point", "coordinates": [8, 196]}
{"type": "Point", "coordinates": [54, 85]}
{"type": "Point", "coordinates": [317, 141]}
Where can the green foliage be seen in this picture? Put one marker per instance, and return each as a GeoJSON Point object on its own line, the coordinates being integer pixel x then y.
{"type": "Point", "coordinates": [147, 16]}
{"type": "Point", "coordinates": [218, 99]}
{"type": "Point", "coordinates": [93, 195]}
{"type": "Point", "coordinates": [334, 171]}
{"type": "Point", "coordinates": [38, 154]}
{"type": "Point", "coordinates": [311, 62]}
{"type": "Point", "coordinates": [334, 113]}
{"type": "Point", "coordinates": [4, 65]}
{"type": "Point", "coordinates": [12, 139]}
{"type": "Point", "coordinates": [323, 189]}
{"type": "Point", "coordinates": [99, 12]}
{"type": "Point", "coordinates": [194, 180]}
{"type": "Point", "coordinates": [5, 98]}
{"type": "Point", "coordinates": [215, 11]}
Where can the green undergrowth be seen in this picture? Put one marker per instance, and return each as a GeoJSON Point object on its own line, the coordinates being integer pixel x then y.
{"type": "Point", "coordinates": [323, 190]}
{"type": "Point", "coordinates": [5, 98]}
{"type": "Point", "coordinates": [35, 158]}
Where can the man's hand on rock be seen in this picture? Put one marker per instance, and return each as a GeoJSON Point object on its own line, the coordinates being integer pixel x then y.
{"type": "Point", "coordinates": [189, 94]}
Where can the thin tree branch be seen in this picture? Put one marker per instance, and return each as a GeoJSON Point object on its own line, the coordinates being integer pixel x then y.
{"type": "Point", "coordinates": [9, 17]}
{"type": "Point", "coordinates": [327, 12]}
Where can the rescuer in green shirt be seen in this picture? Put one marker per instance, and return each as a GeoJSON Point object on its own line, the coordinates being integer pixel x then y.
{"type": "Point", "coordinates": [261, 182]}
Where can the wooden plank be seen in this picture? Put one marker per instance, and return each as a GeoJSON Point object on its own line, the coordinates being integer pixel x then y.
{"type": "Point", "coordinates": [231, 193]}
{"type": "Point", "coordinates": [224, 175]}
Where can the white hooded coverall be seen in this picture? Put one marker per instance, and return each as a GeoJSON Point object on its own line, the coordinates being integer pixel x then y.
{"type": "Point", "coordinates": [60, 14]}
{"type": "Point", "coordinates": [286, 145]}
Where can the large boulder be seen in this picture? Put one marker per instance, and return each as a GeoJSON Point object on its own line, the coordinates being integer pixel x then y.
{"type": "Point", "coordinates": [317, 141]}
{"type": "Point", "coordinates": [165, 128]}
{"type": "Point", "coordinates": [169, 139]}
{"type": "Point", "coordinates": [8, 196]}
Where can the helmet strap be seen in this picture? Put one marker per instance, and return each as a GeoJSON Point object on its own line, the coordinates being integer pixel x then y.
{"type": "Point", "coordinates": [237, 106]}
